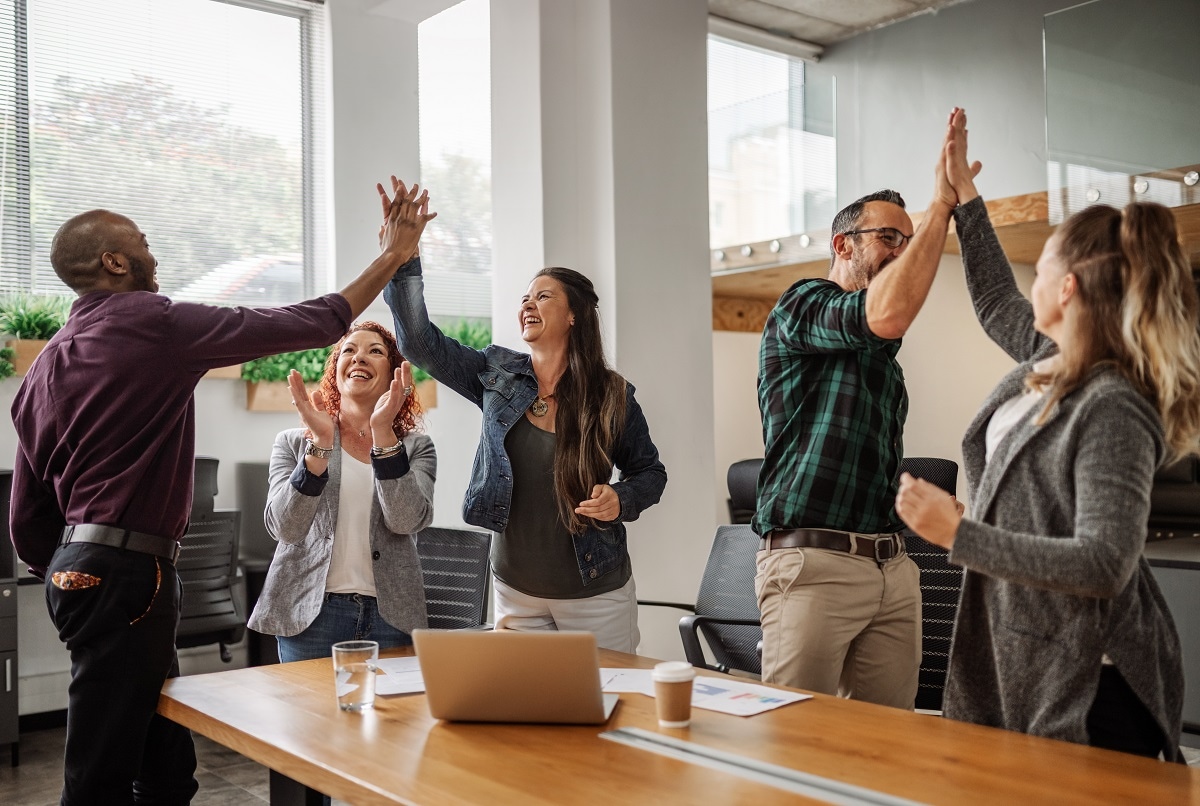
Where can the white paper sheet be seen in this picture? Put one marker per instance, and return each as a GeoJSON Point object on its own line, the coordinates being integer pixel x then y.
{"type": "Point", "coordinates": [722, 694]}
{"type": "Point", "coordinates": [399, 676]}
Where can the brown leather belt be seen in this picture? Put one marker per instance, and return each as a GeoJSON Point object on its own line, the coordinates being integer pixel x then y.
{"type": "Point", "coordinates": [879, 548]}
{"type": "Point", "coordinates": [120, 538]}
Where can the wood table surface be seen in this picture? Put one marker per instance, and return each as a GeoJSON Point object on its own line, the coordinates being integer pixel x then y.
{"type": "Point", "coordinates": [286, 717]}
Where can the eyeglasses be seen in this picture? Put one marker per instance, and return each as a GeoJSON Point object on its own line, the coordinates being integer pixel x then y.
{"type": "Point", "coordinates": [891, 237]}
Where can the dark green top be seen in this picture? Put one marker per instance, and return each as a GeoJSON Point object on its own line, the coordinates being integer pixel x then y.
{"type": "Point", "coordinates": [833, 405]}
{"type": "Point", "coordinates": [535, 554]}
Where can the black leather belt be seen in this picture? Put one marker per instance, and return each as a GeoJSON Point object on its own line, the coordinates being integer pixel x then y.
{"type": "Point", "coordinates": [879, 548]}
{"type": "Point", "coordinates": [120, 538]}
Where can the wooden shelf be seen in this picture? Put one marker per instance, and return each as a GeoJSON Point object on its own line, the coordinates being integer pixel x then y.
{"type": "Point", "coordinates": [745, 288]}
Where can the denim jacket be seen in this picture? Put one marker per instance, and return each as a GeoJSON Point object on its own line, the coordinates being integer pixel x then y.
{"type": "Point", "coordinates": [501, 382]}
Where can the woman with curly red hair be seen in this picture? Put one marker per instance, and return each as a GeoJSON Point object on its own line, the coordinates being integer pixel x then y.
{"type": "Point", "coordinates": [348, 492]}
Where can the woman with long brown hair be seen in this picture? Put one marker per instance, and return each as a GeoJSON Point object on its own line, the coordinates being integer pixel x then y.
{"type": "Point", "coordinates": [1061, 629]}
{"type": "Point", "coordinates": [556, 421]}
{"type": "Point", "coordinates": [348, 492]}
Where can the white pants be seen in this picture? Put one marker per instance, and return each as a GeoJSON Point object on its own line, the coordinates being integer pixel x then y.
{"type": "Point", "coordinates": [611, 617]}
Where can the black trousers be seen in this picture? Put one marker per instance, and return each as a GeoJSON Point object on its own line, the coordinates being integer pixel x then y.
{"type": "Point", "coordinates": [1118, 720]}
{"type": "Point", "coordinates": [117, 612]}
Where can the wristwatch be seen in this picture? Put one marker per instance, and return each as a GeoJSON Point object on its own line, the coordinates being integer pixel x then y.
{"type": "Point", "coordinates": [319, 453]}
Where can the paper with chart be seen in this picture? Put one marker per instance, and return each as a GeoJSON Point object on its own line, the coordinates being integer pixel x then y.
{"type": "Point", "coordinates": [724, 694]}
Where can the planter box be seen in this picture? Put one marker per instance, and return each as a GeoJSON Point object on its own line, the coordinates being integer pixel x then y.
{"type": "Point", "coordinates": [26, 350]}
{"type": "Point", "coordinates": [427, 392]}
{"type": "Point", "coordinates": [229, 373]}
{"type": "Point", "coordinates": [268, 396]}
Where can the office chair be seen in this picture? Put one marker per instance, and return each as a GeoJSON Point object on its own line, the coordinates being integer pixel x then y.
{"type": "Point", "coordinates": [726, 606]}
{"type": "Point", "coordinates": [1175, 501]}
{"type": "Point", "coordinates": [941, 584]}
{"type": "Point", "coordinates": [207, 567]}
{"type": "Point", "coordinates": [742, 480]}
{"type": "Point", "coordinates": [457, 572]}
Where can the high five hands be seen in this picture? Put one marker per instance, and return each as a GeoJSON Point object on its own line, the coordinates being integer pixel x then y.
{"type": "Point", "coordinates": [955, 177]}
{"type": "Point", "coordinates": [405, 215]}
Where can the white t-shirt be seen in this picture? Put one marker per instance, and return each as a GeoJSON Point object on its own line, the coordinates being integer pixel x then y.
{"type": "Point", "coordinates": [350, 567]}
{"type": "Point", "coordinates": [1006, 417]}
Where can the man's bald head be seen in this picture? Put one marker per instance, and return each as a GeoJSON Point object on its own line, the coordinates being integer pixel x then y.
{"type": "Point", "coordinates": [78, 250]}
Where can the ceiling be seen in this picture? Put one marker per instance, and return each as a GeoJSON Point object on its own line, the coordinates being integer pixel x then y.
{"type": "Point", "coordinates": [822, 22]}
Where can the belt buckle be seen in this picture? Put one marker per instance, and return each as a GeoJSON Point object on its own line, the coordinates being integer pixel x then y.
{"type": "Point", "coordinates": [891, 553]}
{"type": "Point", "coordinates": [175, 552]}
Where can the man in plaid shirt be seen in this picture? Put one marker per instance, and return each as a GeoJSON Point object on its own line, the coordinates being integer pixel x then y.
{"type": "Point", "coordinates": [840, 600]}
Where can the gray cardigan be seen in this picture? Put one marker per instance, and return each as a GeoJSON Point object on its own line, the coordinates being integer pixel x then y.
{"type": "Point", "coordinates": [303, 524]}
{"type": "Point", "coordinates": [1055, 577]}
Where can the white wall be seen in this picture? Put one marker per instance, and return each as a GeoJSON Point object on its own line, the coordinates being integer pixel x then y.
{"type": "Point", "coordinates": [895, 87]}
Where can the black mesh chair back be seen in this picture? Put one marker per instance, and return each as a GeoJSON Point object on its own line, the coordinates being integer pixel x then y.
{"type": "Point", "coordinates": [726, 607]}
{"type": "Point", "coordinates": [941, 583]}
{"type": "Point", "coordinates": [207, 566]}
{"type": "Point", "coordinates": [456, 570]}
{"type": "Point", "coordinates": [742, 480]}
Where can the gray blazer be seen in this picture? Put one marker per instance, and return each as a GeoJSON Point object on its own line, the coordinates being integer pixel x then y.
{"type": "Point", "coordinates": [1055, 577]}
{"type": "Point", "coordinates": [303, 524]}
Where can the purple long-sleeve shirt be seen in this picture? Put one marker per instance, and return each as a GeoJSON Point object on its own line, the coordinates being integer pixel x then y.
{"type": "Point", "coordinates": [105, 419]}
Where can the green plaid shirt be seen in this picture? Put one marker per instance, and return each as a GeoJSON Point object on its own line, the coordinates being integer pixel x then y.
{"type": "Point", "coordinates": [833, 405]}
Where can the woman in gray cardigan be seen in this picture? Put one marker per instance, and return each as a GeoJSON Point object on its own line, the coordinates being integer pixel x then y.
{"type": "Point", "coordinates": [1061, 629]}
{"type": "Point", "coordinates": [347, 495]}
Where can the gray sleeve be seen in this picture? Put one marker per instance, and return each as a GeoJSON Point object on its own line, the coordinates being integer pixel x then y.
{"type": "Point", "coordinates": [289, 514]}
{"type": "Point", "coordinates": [1110, 475]}
{"type": "Point", "coordinates": [1006, 316]}
{"type": "Point", "coordinates": [407, 501]}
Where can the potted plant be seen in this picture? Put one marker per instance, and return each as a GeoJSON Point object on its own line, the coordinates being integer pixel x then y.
{"type": "Point", "coordinates": [266, 378]}
{"type": "Point", "coordinates": [29, 320]}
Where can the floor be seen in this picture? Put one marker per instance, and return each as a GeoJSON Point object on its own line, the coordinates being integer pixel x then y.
{"type": "Point", "coordinates": [226, 779]}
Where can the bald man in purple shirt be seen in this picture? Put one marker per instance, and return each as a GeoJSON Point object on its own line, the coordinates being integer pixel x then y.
{"type": "Point", "coordinates": [102, 485]}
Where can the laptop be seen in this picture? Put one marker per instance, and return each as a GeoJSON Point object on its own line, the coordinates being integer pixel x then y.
{"type": "Point", "coordinates": [509, 676]}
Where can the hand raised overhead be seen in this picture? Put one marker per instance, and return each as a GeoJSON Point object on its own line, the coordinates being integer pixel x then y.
{"type": "Point", "coordinates": [959, 173]}
{"type": "Point", "coordinates": [405, 215]}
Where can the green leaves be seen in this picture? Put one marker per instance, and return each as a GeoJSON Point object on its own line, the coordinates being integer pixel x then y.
{"type": "Point", "coordinates": [33, 316]}
{"type": "Point", "coordinates": [309, 363]}
{"type": "Point", "coordinates": [7, 370]}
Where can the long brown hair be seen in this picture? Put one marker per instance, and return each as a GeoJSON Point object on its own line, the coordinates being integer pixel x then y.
{"type": "Point", "coordinates": [410, 411]}
{"type": "Point", "coordinates": [1138, 312]}
{"type": "Point", "coordinates": [591, 404]}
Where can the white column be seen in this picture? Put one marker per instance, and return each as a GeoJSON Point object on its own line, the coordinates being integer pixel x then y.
{"type": "Point", "coordinates": [600, 164]}
{"type": "Point", "coordinates": [373, 72]}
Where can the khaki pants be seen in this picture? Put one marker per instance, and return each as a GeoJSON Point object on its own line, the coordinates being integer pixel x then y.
{"type": "Point", "coordinates": [835, 622]}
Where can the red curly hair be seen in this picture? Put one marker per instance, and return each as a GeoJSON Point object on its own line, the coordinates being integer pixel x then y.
{"type": "Point", "coordinates": [410, 411]}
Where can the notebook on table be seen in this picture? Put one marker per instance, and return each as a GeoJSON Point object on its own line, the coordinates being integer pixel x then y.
{"type": "Point", "coordinates": [508, 676]}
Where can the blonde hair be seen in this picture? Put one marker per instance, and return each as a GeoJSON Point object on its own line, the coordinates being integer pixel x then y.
{"type": "Point", "coordinates": [1139, 313]}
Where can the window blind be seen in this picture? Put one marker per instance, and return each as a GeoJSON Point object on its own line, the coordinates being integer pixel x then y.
{"type": "Point", "coordinates": [198, 119]}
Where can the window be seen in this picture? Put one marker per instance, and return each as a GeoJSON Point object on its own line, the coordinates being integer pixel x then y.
{"type": "Point", "coordinates": [772, 167]}
{"type": "Point", "coordinates": [195, 118]}
{"type": "Point", "coordinates": [454, 50]}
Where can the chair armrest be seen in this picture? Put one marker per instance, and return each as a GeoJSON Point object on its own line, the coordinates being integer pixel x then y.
{"type": "Point", "coordinates": [678, 605]}
{"type": "Point", "coordinates": [689, 627]}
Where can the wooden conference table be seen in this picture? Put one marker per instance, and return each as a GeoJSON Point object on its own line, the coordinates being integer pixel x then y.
{"type": "Point", "coordinates": [286, 718]}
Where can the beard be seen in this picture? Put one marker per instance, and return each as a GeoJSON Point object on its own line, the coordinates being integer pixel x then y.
{"type": "Point", "coordinates": [143, 274]}
{"type": "Point", "coordinates": [862, 272]}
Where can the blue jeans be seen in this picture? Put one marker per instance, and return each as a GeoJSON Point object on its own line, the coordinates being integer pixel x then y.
{"type": "Point", "coordinates": [343, 617]}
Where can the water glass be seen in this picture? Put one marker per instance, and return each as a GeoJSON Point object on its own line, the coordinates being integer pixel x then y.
{"type": "Point", "coordinates": [354, 665]}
